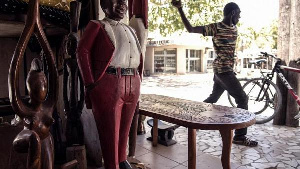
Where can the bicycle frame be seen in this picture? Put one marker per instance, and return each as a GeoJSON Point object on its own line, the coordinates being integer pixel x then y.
{"type": "Point", "coordinates": [277, 68]}
{"type": "Point", "coordinates": [286, 83]}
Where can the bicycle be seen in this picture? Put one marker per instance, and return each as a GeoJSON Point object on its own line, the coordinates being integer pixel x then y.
{"type": "Point", "coordinates": [265, 98]}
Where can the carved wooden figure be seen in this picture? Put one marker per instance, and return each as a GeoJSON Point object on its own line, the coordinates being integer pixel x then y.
{"type": "Point", "coordinates": [110, 57]}
{"type": "Point", "coordinates": [37, 113]}
{"type": "Point", "coordinates": [72, 81]}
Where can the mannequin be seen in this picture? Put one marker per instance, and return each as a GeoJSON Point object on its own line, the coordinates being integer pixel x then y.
{"type": "Point", "coordinates": [110, 58]}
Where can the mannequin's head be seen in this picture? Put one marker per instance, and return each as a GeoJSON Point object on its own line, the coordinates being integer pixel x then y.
{"type": "Point", "coordinates": [114, 9]}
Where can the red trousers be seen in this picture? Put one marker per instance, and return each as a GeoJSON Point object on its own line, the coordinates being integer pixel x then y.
{"type": "Point", "coordinates": [114, 101]}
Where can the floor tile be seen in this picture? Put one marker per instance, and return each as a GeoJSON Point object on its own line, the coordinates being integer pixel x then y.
{"type": "Point", "coordinates": [156, 161]}
{"type": "Point", "coordinates": [206, 161]}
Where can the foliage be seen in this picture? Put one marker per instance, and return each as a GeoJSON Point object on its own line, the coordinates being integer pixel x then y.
{"type": "Point", "coordinates": [273, 33]}
{"type": "Point", "coordinates": [265, 37]}
{"type": "Point", "coordinates": [166, 19]}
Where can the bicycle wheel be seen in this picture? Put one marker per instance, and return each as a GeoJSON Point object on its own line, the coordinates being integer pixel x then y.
{"type": "Point", "coordinates": [230, 98]}
{"type": "Point", "coordinates": [268, 104]}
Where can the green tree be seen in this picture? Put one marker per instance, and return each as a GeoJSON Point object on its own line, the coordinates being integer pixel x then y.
{"type": "Point", "coordinates": [259, 38]}
{"type": "Point", "coordinates": [273, 33]}
{"type": "Point", "coordinates": [245, 39]}
{"type": "Point", "coordinates": [265, 37]}
{"type": "Point", "coordinates": [163, 17]}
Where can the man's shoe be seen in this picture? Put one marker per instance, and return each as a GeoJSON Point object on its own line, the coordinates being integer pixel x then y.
{"type": "Point", "coordinates": [245, 142]}
{"type": "Point", "coordinates": [125, 165]}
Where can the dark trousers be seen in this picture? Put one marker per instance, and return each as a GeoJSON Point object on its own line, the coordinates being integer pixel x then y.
{"type": "Point", "coordinates": [228, 81]}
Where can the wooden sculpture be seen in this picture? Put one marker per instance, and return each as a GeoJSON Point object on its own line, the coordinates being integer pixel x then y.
{"type": "Point", "coordinates": [110, 58]}
{"type": "Point", "coordinates": [72, 81]}
{"type": "Point", "coordinates": [37, 113]}
{"type": "Point", "coordinates": [73, 101]}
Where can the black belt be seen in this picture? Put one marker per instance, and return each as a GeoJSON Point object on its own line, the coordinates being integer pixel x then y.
{"type": "Point", "coordinates": [123, 71]}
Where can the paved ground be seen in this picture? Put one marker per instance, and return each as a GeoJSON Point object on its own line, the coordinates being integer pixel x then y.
{"type": "Point", "coordinates": [278, 145]}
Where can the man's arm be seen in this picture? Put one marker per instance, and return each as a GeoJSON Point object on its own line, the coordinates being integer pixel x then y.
{"type": "Point", "coordinates": [188, 26]}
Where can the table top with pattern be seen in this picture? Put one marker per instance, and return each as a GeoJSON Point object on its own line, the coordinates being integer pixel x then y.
{"type": "Point", "coordinates": [193, 114]}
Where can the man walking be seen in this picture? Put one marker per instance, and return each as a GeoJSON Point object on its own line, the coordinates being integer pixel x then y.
{"type": "Point", "coordinates": [224, 35]}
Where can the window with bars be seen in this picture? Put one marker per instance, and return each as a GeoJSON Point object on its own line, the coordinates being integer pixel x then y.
{"type": "Point", "coordinates": [193, 60]}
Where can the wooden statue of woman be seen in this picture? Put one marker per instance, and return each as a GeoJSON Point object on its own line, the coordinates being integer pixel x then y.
{"type": "Point", "coordinates": [37, 113]}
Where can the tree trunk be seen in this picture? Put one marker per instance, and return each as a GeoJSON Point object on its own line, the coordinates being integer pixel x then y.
{"type": "Point", "coordinates": [280, 118]}
{"type": "Point", "coordinates": [283, 50]}
{"type": "Point", "coordinates": [292, 107]}
{"type": "Point", "coordinates": [288, 40]}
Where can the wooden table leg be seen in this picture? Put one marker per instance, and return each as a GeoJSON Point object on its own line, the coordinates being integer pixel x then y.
{"type": "Point", "coordinates": [227, 135]}
{"type": "Point", "coordinates": [191, 148]}
{"type": "Point", "coordinates": [155, 132]}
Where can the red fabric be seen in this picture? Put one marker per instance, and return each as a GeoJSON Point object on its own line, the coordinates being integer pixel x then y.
{"type": "Point", "coordinates": [84, 52]}
{"type": "Point", "coordinates": [114, 98]}
{"type": "Point", "coordinates": [139, 8]}
{"type": "Point", "coordinates": [114, 101]}
{"type": "Point", "coordinates": [94, 54]}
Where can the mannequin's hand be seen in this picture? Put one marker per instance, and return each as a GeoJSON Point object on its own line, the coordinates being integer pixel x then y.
{"type": "Point", "coordinates": [176, 3]}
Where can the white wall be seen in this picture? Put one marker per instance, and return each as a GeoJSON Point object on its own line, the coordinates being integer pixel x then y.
{"type": "Point", "coordinates": [149, 60]}
{"type": "Point", "coordinates": [181, 60]}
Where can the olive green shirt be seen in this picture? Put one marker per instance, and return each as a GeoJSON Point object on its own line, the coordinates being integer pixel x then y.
{"type": "Point", "coordinates": [224, 40]}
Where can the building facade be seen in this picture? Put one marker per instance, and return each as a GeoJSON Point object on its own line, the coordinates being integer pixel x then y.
{"type": "Point", "coordinates": [167, 56]}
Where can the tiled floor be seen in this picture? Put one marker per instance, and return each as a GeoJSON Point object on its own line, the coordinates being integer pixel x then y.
{"type": "Point", "coordinates": [172, 157]}
{"type": "Point", "coordinates": [278, 145]}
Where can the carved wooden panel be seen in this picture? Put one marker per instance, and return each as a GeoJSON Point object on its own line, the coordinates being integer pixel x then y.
{"type": "Point", "coordinates": [59, 4]}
